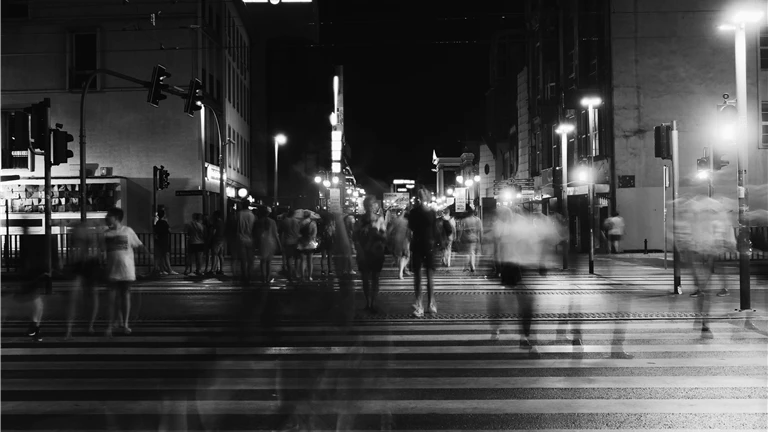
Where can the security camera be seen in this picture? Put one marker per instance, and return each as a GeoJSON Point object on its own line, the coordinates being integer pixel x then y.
{"type": "Point", "coordinates": [726, 96]}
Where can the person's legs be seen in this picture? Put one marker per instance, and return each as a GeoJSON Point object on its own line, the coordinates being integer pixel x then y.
{"type": "Point", "coordinates": [366, 275]}
{"type": "Point", "coordinates": [430, 268]}
{"type": "Point", "coordinates": [401, 265]}
{"type": "Point", "coordinates": [310, 264]}
{"type": "Point", "coordinates": [125, 291]}
{"type": "Point", "coordinates": [374, 290]}
{"type": "Point", "coordinates": [472, 257]}
{"type": "Point", "coordinates": [418, 308]}
{"type": "Point", "coordinates": [111, 305]}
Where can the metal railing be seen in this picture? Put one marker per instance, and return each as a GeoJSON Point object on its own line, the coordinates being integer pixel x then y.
{"type": "Point", "coordinates": [65, 252]}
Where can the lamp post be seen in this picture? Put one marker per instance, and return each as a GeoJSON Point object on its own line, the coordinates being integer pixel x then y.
{"type": "Point", "coordinates": [564, 129]}
{"type": "Point", "coordinates": [739, 23]}
{"type": "Point", "coordinates": [280, 139]}
{"type": "Point", "coordinates": [591, 103]}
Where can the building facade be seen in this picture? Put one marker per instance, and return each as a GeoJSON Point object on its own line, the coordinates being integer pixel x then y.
{"type": "Point", "coordinates": [48, 50]}
{"type": "Point", "coordinates": [649, 62]}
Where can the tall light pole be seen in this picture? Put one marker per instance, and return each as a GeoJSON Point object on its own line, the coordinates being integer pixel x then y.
{"type": "Point", "coordinates": [280, 139]}
{"type": "Point", "coordinates": [591, 103]}
{"type": "Point", "coordinates": [739, 23]}
{"type": "Point", "coordinates": [564, 129]}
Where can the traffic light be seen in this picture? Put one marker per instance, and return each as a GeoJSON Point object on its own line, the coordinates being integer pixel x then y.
{"type": "Point", "coordinates": [702, 164]}
{"type": "Point", "coordinates": [194, 100]}
{"type": "Point", "coordinates": [662, 141]}
{"type": "Point", "coordinates": [61, 152]}
{"type": "Point", "coordinates": [727, 120]}
{"type": "Point", "coordinates": [40, 124]}
{"type": "Point", "coordinates": [157, 85]}
{"type": "Point", "coordinates": [717, 159]}
{"type": "Point", "coordinates": [162, 178]}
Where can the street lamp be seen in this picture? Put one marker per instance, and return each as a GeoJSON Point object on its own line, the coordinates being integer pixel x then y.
{"type": "Point", "coordinates": [563, 130]}
{"type": "Point", "coordinates": [242, 192]}
{"type": "Point", "coordinates": [468, 183]}
{"type": "Point", "coordinates": [459, 179]}
{"type": "Point", "coordinates": [449, 191]}
{"type": "Point", "coordinates": [327, 183]}
{"type": "Point", "coordinates": [280, 139]}
{"type": "Point", "coordinates": [591, 102]}
{"type": "Point", "coordinates": [738, 23]}
{"type": "Point", "coordinates": [318, 179]}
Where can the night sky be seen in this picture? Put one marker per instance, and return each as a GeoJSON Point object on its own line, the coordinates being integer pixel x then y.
{"type": "Point", "coordinates": [415, 80]}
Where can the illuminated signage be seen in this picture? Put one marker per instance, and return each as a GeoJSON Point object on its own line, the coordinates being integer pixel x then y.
{"type": "Point", "coordinates": [403, 182]}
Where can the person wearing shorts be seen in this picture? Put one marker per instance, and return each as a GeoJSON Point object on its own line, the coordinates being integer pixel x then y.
{"type": "Point", "coordinates": [119, 243]}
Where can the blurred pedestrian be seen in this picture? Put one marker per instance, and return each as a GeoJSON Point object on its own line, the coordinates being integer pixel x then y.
{"type": "Point", "coordinates": [472, 238]}
{"type": "Point", "coordinates": [218, 239]}
{"type": "Point", "coordinates": [422, 222]}
{"type": "Point", "coordinates": [269, 242]}
{"type": "Point", "coordinates": [162, 234]}
{"type": "Point", "coordinates": [327, 233]}
{"type": "Point", "coordinates": [89, 273]}
{"type": "Point", "coordinates": [307, 244]}
{"type": "Point", "coordinates": [447, 229]}
{"type": "Point", "coordinates": [119, 243]}
{"type": "Point", "coordinates": [245, 223]}
{"type": "Point", "coordinates": [400, 241]}
{"type": "Point", "coordinates": [290, 241]}
{"type": "Point", "coordinates": [370, 242]}
{"type": "Point", "coordinates": [614, 226]}
{"type": "Point", "coordinates": [196, 242]}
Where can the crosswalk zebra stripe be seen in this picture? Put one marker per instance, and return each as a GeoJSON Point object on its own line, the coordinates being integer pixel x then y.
{"type": "Point", "coordinates": [392, 383]}
{"type": "Point", "coordinates": [539, 406]}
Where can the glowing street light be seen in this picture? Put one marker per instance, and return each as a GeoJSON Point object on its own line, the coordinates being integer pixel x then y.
{"type": "Point", "coordinates": [449, 191]}
{"type": "Point", "coordinates": [335, 179]}
{"type": "Point", "coordinates": [469, 183]}
{"type": "Point", "coordinates": [459, 179]}
{"type": "Point", "coordinates": [280, 139]}
{"type": "Point", "coordinates": [318, 179]}
{"type": "Point", "coordinates": [477, 178]}
{"type": "Point", "coordinates": [242, 192]}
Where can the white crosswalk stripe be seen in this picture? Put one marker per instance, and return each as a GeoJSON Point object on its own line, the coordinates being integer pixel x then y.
{"type": "Point", "coordinates": [403, 376]}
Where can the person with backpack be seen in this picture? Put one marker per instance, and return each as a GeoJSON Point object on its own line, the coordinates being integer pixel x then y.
{"type": "Point", "coordinates": [370, 242]}
{"type": "Point", "coordinates": [307, 244]}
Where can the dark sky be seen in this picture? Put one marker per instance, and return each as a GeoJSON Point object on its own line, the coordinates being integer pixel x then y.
{"type": "Point", "coordinates": [415, 80]}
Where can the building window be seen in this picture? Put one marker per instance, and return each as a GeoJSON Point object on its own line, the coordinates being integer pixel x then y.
{"type": "Point", "coordinates": [15, 155]}
{"type": "Point", "coordinates": [764, 48]}
{"type": "Point", "coordinates": [84, 59]}
{"type": "Point", "coordinates": [535, 154]}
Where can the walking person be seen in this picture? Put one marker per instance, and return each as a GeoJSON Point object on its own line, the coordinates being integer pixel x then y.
{"type": "Point", "coordinates": [269, 242]}
{"type": "Point", "coordinates": [218, 239]}
{"type": "Point", "coordinates": [614, 226]}
{"type": "Point", "coordinates": [245, 224]}
{"type": "Point", "coordinates": [196, 235]}
{"type": "Point", "coordinates": [290, 241]}
{"type": "Point", "coordinates": [162, 234]}
{"type": "Point", "coordinates": [88, 270]}
{"type": "Point", "coordinates": [370, 242]}
{"type": "Point", "coordinates": [119, 243]}
{"type": "Point", "coordinates": [472, 238]}
{"type": "Point", "coordinates": [327, 230]}
{"type": "Point", "coordinates": [307, 244]}
{"type": "Point", "coordinates": [400, 241]}
{"type": "Point", "coordinates": [448, 230]}
{"type": "Point", "coordinates": [422, 222]}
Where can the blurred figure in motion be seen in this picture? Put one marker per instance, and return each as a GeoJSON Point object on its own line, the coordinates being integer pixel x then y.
{"type": "Point", "coordinates": [422, 222]}
{"type": "Point", "coordinates": [517, 247]}
{"type": "Point", "coordinates": [119, 242]}
{"type": "Point", "coordinates": [447, 229]}
{"type": "Point", "coordinates": [349, 224]}
{"type": "Point", "coordinates": [88, 270]}
{"type": "Point", "coordinates": [400, 242]}
{"type": "Point", "coordinates": [197, 237]}
{"type": "Point", "coordinates": [162, 233]}
{"type": "Point", "coordinates": [327, 229]}
{"type": "Point", "coordinates": [614, 227]}
{"type": "Point", "coordinates": [370, 242]}
{"type": "Point", "coordinates": [269, 242]}
{"type": "Point", "coordinates": [307, 244]}
{"type": "Point", "coordinates": [245, 224]}
{"type": "Point", "coordinates": [218, 237]}
{"type": "Point", "coordinates": [290, 241]}
{"type": "Point", "coordinates": [703, 232]}
{"type": "Point", "coordinates": [472, 238]}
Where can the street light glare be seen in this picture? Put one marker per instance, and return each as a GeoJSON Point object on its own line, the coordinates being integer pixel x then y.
{"type": "Point", "coordinates": [702, 174]}
{"type": "Point", "coordinates": [469, 182]}
{"type": "Point", "coordinates": [335, 179]}
{"type": "Point", "coordinates": [242, 192]}
{"type": "Point", "coordinates": [564, 128]}
{"type": "Point", "coordinates": [280, 139]}
{"type": "Point", "coordinates": [326, 183]}
{"type": "Point", "coordinates": [459, 179]}
{"type": "Point", "coordinates": [591, 101]}
{"type": "Point", "coordinates": [449, 191]}
{"type": "Point", "coordinates": [318, 179]}
{"type": "Point", "coordinates": [747, 16]}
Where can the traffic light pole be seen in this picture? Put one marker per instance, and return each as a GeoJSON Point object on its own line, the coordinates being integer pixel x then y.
{"type": "Point", "coordinates": [741, 165]}
{"type": "Point", "coordinates": [675, 190]}
{"type": "Point", "coordinates": [48, 228]}
{"type": "Point", "coordinates": [86, 85]}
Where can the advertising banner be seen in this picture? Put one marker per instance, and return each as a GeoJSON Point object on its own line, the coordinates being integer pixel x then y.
{"type": "Point", "coordinates": [334, 200]}
{"type": "Point", "coordinates": [395, 199]}
{"type": "Point", "coordinates": [461, 199]}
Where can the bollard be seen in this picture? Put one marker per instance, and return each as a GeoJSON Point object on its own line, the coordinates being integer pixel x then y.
{"type": "Point", "coordinates": [645, 251]}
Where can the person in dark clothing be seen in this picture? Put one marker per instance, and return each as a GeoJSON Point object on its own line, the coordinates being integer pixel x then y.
{"type": "Point", "coordinates": [423, 225]}
{"type": "Point", "coordinates": [370, 242]}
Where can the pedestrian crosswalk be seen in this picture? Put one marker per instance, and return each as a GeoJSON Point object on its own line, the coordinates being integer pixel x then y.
{"type": "Point", "coordinates": [408, 376]}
